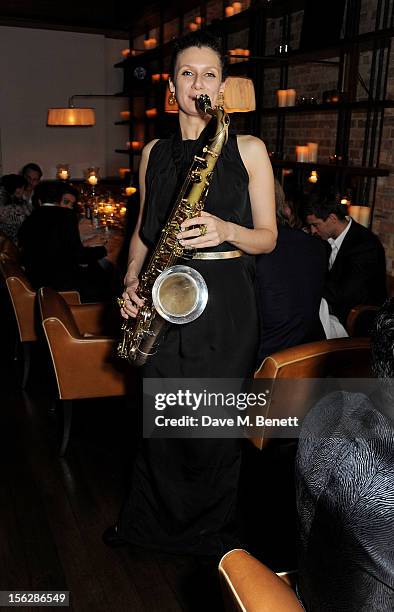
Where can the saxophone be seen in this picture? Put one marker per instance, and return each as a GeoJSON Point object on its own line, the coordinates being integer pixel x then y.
{"type": "Point", "coordinates": [174, 293]}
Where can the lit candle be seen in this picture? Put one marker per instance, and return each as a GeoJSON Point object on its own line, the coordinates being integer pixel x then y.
{"type": "Point", "coordinates": [363, 217]}
{"type": "Point", "coordinates": [63, 174]}
{"type": "Point", "coordinates": [229, 11]}
{"type": "Point", "coordinates": [313, 177]}
{"type": "Point", "coordinates": [198, 20]}
{"type": "Point", "coordinates": [302, 153]}
{"type": "Point", "coordinates": [165, 76]}
{"type": "Point", "coordinates": [123, 172]}
{"type": "Point", "coordinates": [151, 112]}
{"type": "Point", "coordinates": [353, 210]}
{"type": "Point", "coordinates": [123, 209]}
{"type": "Point", "coordinates": [237, 6]}
{"type": "Point", "coordinates": [92, 180]}
{"type": "Point", "coordinates": [291, 97]}
{"type": "Point", "coordinates": [130, 190]}
{"type": "Point", "coordinates": [312, 151]}
{"type": "Point", "coordinates": [125, 52]}
{"type": "Point", "coordinates": [193, 26]}
{"type": "Point", "coordinates": [281, 96]}
{"type": "Point", "coordinates": [155, 78]}
{"type": "Point", "coordinates": [136, 145]}
{"type": "Point", "coordinates": [125, 114]}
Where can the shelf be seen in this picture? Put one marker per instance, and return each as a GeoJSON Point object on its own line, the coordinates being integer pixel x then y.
{"type": "Point", "coordinates": [360, 170]}
{"type": "Point", "coordinates": [323, 108]}
{"type": "Point", "coordinates": [122, 122]}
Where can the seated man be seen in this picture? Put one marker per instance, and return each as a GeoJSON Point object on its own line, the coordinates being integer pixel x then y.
{"type": "Point", "coordinates": [52, 252]}
{"type": "Point", "coordinates": [357, 266]}
{"type": "Point", "coordinates": [345, 491]}
{"type": "Point", "coordinates": [290, 283]}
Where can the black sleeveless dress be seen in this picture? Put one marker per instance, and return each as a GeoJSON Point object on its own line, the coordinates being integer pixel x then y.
{"type": "Point", "coordinates": [184, 491]}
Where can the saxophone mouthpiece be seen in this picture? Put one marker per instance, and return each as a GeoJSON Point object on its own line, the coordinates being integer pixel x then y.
{"type": "Point", "coordinates": [203, 103]}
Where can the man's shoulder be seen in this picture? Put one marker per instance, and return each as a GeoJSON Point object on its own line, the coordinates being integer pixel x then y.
{"type": "Point", "coordinates": [360, 237]}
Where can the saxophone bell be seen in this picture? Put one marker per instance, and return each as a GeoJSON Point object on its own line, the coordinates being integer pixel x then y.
{"type": "Point", "coordinates": [180, 294]}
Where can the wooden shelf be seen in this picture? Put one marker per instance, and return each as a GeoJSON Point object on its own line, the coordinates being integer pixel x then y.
{"type": "Point", "coordinates": [346, 169]}
{"type": "Point", "coordinates": [323, 108]}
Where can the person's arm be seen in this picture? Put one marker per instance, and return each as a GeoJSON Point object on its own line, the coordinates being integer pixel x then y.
{"type": "Point", "coordinates": [137, 250]}
{"type": "Point", "coordinates": [260, 239]}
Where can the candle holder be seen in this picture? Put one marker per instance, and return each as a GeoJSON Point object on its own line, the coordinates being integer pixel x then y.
{"type": "Point", "coordinates": [63, 172]}
{"type": "Point", "coordinates": [92, 178]}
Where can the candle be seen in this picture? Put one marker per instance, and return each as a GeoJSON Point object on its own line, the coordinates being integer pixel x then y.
{"type": "Point", "coordinates": [281, 96]}
{"type": "Point", "coordinates": [136, 145]}
{"type": "Point", "coordinates": [123, 172]}
{"type": "Point", "coordinates": [125, 114]}
{"type": "Point", "coordinates": [92, 180]}
{"type": "Point", "coordinates": [312, 151]}
{"type": "Point", "coordinates": [301, 153]}
{"type": "Point", "coordinates": [291, 97]}
{"type": "Point", "coordinates": [229, 11]}
{"type": "Point", "coordinates": [130, 190]}
{"type": "Point", "coordinates": [123, 209]}
{"type": "Point", "coordinates": [155, 77]}
{"type": "Point", "coordinates": [125, 52]}
{"type": "Point", "coordinates": [364, 214]}
{"type": "Point", "coordinates": [193, 26]}
{"type": "Point", "coordinates": [313, 178]}
{"type": "Point", "coordinates": [165, 76]}
{"type": "Point", "coordinates": [198, 20]}
{"type": "Point", "coordinates": [63, 174]}
{"type": "Point", "coordinates": [151, 112]}
{"type": "Point", "coordinates": [237, 6]}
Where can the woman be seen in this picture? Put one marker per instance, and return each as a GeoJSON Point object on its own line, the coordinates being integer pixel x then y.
{"type": "Point", "coordinates": [184, 491]}
{"type": "Point", "coordinates": [13, 209]}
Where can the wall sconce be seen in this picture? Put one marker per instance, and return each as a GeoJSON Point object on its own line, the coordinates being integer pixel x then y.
{"type": "Point", "coordinates": [72, 116]}
{"type": "Point", "coordinates": [63, 172]}
{"type": "Point", "coordinates": [239, 95]}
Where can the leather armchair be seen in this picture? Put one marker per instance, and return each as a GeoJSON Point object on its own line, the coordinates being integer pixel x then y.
{"type": "Point", "coordinates": [23, 297]}
{"type": "Point", "coordinates": [249, 586]}
{"type": "Point", "coordinates": [336, 358]}
{"type": "Point", "coordinates": [82, 356]}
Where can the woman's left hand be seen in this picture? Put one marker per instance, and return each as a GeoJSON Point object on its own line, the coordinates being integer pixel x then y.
{"type": "Point", "coordinates": [215, 233]}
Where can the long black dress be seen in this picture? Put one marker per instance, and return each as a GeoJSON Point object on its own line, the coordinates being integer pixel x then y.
{"type": "Point", "coordinates": [184, 491]}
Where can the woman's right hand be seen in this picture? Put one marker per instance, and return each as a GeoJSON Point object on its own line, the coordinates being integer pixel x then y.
{"type": "Point", "coordinates": [132, 302]}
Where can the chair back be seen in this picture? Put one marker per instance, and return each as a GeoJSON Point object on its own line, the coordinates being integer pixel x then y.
{"type": "Point", "coordinates": [22, 297]}
{"type": "Point", "coordinates": [336, 358]}
{"type": "Point", "coordinates": [84, 366]}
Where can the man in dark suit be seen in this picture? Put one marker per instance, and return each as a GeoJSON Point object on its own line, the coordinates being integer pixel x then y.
{"type": "Point", "coordinates": [290, 283]}
{"type": "Point", "coordinates": [357, 266]}
{"type": "Point", "coordinates": [345, 491]}
{"type": "Point", "coordinates": [52, 252]}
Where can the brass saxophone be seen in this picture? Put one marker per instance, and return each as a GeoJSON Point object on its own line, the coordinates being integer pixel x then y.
{"type": "Point", "coordinates": [174, 293]}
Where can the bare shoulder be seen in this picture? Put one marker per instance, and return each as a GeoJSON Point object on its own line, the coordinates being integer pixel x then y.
{"type": "Point", "coordinates": [252, 150]}
{"type": "Point", "coordinates": [148, 148]}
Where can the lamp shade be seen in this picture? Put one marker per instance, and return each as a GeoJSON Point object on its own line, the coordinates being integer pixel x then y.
{"type": "Point", "coordinates": [71, 117]}
{"type": "Point", "coordinates": [239, 96]}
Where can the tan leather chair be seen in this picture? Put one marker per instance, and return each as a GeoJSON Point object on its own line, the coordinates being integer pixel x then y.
{"type": "Point", "coordinates": [82, 357]}
{"type": "Point", "coordinates": [336, 358]}
{"type": "Point", "coordinates": [249, 586]}
{"type": "Point", "coordinates": [23, 296]}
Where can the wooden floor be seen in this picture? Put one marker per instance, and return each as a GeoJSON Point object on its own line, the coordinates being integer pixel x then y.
{"type": "Point", "coordinates": [53, 511]}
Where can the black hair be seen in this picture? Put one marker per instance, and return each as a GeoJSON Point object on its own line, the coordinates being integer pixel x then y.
{"type": "Point", "coordinates": [382, 341]}
{"type": "Point", "coordinates": [322, 206]}
{"type": "Point", "coordinates": [71, 190]}
{"type": "Point", "coordinates": [31, 166]}
{"type": "Point", "coordinates": [11, 182]}
{"type": "Point", "coordinates": [199, 39]}
{"type": "Point", "coordinates": [49, 192]}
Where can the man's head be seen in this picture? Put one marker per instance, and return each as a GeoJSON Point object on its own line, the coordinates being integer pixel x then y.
{"type": "Point", "coordinates": [324, 217]}
{"type": "Point", "coordinates": [49, 192]}
{"type": "Point", "coordinates": [32, 173]}
{"type": "Point", "coordinates": [69, 197]}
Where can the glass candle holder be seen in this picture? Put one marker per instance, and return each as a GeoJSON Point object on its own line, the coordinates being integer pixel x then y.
{"type": "Point", "coordinates": [63, 172]}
